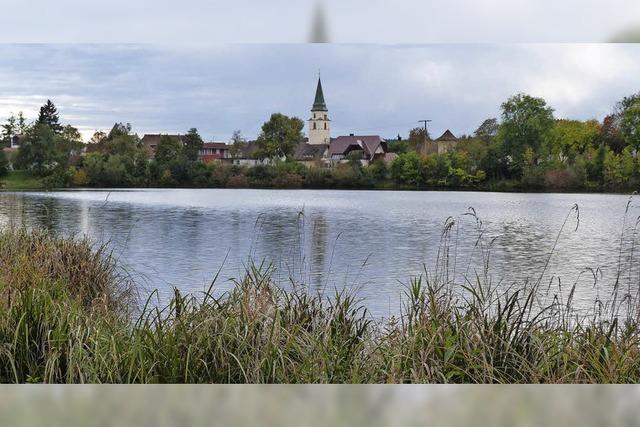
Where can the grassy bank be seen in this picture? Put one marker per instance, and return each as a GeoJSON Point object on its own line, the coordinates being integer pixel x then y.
{"type": "Point", "coordinates": [69, 316]}
{"type": "Point", "coordinates": [20, 180]}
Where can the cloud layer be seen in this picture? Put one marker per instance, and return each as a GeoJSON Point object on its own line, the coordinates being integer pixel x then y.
{"type": "Point", "coordinates": [379, 89]}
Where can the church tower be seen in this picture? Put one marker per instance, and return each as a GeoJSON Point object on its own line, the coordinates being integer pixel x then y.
{"type": "Point", "coordinates": [319, 123]}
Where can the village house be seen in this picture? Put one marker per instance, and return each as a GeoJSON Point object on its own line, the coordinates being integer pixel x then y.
{"type": "Point", "coordinates": [369, 147]}
{"type": "Point", "coordinates": [247, 156]}
{"type": "Point", "coordinates": [14, 141]}
{"type": "Point", "coordinates": [13, 144]}
{"type": "Point", "coordinates": [311, 154]}
{"type": "Point", "coordinates": [214, 151]}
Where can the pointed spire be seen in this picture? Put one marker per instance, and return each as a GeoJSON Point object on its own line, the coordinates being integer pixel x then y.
{"type": "Point", "coordinates": [318, 103]}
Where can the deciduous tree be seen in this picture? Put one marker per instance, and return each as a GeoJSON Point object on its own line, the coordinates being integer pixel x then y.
{"type": "Point", "coordinates": [526, 123]}
{"type": "Point", "coordinates": [630, 124]}
{"type": "Point", "coordinates": [417, 137]}
{"type": "Point", "coordinates": [169, 149]}
{"type": "Point", "coordinates": [238, 143]}
{"type": "Point", "coordinates": [279, 137]}
{"type": "Point", "coordinates": [487, 131]}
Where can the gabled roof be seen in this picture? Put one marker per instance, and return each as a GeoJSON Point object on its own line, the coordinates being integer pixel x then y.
{"type": "Point", "coordinates": [318, 103]}
{"type": "Point", "coordinates": [368, 143]}
{"type": "Point", "coordinates": [305, 151]}
{"type": "Point", "coordinates": [447, 136]}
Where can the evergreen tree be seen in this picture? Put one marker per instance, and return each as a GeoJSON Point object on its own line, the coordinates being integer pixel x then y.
{"type": "Point", "coordinates": [192, 144]}
{"type": "Point", "coordinates": [9, 130]}
{"type": "Point", "coordinates": [49, 116]}
{"type": "Point", "coordinates": [22, 126]}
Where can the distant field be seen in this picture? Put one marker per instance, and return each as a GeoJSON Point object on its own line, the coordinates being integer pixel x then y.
{"type": "Point", "coordinates": [20, 180]}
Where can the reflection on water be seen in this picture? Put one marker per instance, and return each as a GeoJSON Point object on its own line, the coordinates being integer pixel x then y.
{"type": "Point", "coordinates": [371, 241]}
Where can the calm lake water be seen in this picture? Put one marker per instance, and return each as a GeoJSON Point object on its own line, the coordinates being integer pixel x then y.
{"type": "Point", "coordinates": [370, 241]}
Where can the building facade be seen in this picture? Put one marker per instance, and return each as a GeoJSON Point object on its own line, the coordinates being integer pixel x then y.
{"type": "Point", "coordinates": [214, 151]}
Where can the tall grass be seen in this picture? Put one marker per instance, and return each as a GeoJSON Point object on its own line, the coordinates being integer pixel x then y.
{"type": "Point", "coordinates": [69, 316]}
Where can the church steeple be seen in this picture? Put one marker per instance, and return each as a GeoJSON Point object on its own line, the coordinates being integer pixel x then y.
{"type": "Point", "coordinates": [319, 123]}
{"type": "Point", "coordinates": [318, 103]}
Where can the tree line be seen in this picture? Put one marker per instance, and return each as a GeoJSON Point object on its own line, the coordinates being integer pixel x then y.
{"type": "Point", "coordinates": [527, 148]}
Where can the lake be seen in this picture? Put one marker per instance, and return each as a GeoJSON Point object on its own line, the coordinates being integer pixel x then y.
{"type": "Point", "coordinates": [371, 242]}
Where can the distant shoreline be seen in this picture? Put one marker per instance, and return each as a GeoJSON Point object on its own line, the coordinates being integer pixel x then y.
{"type": "Point", "coordinates": [409, 190]}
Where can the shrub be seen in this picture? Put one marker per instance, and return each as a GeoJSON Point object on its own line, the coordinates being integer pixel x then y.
{"type": "Point", "coordinates": [80, 178]}
{"type": "Point", "coordinates": [561, 179]}
{"type": "Point", "coordinates": [344, 175]}
{"type": "Point", "coordinates": [317, 177]}
{"type": "Point", "coordinates": [36, 258]}
{"type": "Point", "coordinates": [4, 163]}
{"type": "Point", "coordinates": [287, 180]}
{"type": "Point", "coordinates": [166, 178]}
{"type": "Point", "coordinates": [238, 181]}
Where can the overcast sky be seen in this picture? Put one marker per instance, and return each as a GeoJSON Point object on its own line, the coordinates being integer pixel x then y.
{"type": "Point", "coordinates": [369, 89]}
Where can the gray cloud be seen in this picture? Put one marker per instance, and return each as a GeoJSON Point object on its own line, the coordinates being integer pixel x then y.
{"type": "Point", "coordinates": [378, 89]}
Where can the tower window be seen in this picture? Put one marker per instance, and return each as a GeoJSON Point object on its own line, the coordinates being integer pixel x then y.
{"type": "Point", "coordinates": [314, 125]}
{"type": "Point", "coordinates": [325, 117]}
{"type": "Point", "coordinates": [325, 126]}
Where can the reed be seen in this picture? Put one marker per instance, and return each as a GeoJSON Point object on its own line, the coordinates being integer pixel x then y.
{"type": "Point", "coordinates": [69, 316]}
